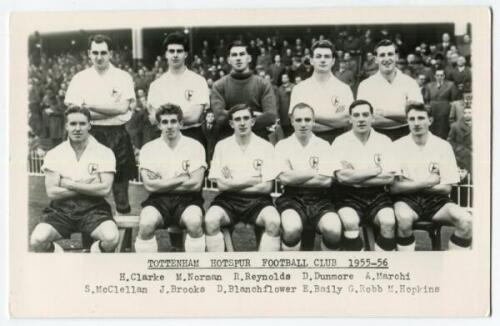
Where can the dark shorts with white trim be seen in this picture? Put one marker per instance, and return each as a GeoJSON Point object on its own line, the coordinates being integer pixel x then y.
{"type": "Point", "coordinates": [242, 207]}
{"type": "Point", "coordinates": [310, 203]}
{"type": "Point", "coordinates": [366, 201]}
{"type": "Point", "coordinates": [172, 206]}
{"type": "Point", "coordinates": [78, 214]}
{"type": "Point", "coordinates": [425, 205]}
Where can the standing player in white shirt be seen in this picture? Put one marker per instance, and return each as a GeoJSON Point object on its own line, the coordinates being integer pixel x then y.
{"type": "Point", "coordinates": [172, 169]}
{"type": "Point", "coordinates": [107, 92]}
{"type": "Point", "coordinates": [78, 175]}
{"type": "Point", "coordinates": [329, 96]}
{"type": "Point", "coordinates": [389, 91]}
{"type": "Point", "coordinates": [429, 169]}
{"type": "Point", "coordinates": [244, 168]}
{"type": "Point", "coordinates": [306, 172]}
{"type": "Point", "coordinates": [367, 166]}
{"type": "Point", "coordinates": [182, 87]}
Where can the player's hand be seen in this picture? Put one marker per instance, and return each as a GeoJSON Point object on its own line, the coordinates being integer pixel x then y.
{"type": "Point", "coordinates": [340, 108]}
{"type": "Point", "coordinates": [152, 176]}
{"type": "Point", "coordinates": [66, 183]}
{"type": "Point", "coordinates": [226, 172]}
{"type": "Point", "coordinates": [433, 179]}
{"type": "Point", "coordinates": [347, 165]}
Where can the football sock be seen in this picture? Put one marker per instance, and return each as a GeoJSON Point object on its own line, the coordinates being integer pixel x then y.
{"type": "Point", "coordinates": [150, 245]}
{"type": "Point", "coordinates": [406, 244]}
{"type": "Point", "coordinates": [458, 243]}
{"type": "Point", "coordinates": [215, 243]}
{"type": "Point", "coordinates": [194, 244]}
{"type": "Point", "coordinates": [285, 247]}
{"type": "Point", "coordinates": [268, 243]}
{"type": "Point", "coordinates": [352, 241]}
{"type": "Point", "coordinates": [328, 246]}
{"type": "Point", "coordinates": [384, 244]}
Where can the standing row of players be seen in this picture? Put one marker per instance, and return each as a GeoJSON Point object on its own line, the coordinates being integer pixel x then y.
{"type": "Point", "coordinates": [329, 188]}
{"type": "Point", "coordinates": [107, 92]}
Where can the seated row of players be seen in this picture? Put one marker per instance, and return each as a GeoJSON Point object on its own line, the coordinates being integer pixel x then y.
{"type": "Point", "coordinates": [331, 189]}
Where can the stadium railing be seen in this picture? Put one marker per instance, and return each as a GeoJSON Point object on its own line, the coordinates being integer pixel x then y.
{"type": "Point", "coordinates": [128, 224]}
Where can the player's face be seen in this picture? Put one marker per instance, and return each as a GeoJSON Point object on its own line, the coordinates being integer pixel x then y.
{"type": "Point", "coordinates": [387, 58]}
{"type": "Point", "coordinates": [99, 55]}
{"type": "Point", "coordinates": [170, 126]}
{"type": "Point", "coordinates": [239, 58]}
{"type": "Point", "coordinates": [242, 122]}
{"type": "Point", "coordinates": [361, 118]}
{"type": "Point", "coordinates": [78, 127]}
{"type": "Point", "coordinates": [322, 60]}
{"type": "Point", "coordinates": [303, 122]}
{"type": "Point", "coordinates": [176, 55]}
{"type": "Point", "coordinates": [419, 122]}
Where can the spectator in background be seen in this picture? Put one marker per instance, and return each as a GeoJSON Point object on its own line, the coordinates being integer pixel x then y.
{"type": "Point", "coordinates": [445, 43]}
{"type": "Point", "coordinates": [463, 47]}
{"type": "Point", "coordinates": [284, 93]}
{"type": "Point", "coordinates": [370, 66]}
{"type": "Point", "coordinates": [264, 59]}
{"type": "Point", "coordinates": [461, 75]}
{"type": "Point", "coordinates": [422, 81]}
{"type": "Point", "coordinates": [276, 70]}
{"type": "Point", "coordinates": [439, 94]}
{"type": "Point", "coordinates": [209, 129]}
{"type": "Point", "coordinates": [460, 138]}
{"type": "Point", "coordinates": [345, 75]}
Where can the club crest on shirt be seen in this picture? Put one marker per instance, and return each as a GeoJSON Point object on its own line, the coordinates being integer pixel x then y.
{"type": "Point", "coordinates": [185, 165]}
{"type": "Point", "coordinates": [433, 167]}
{"type": "Point", "coordinates": [335, 100]}
{"type": "Point", "coordinates": [377, 159]}
{"type": "Point", "coordinates": [314, 162]}
{"type": "Point", "coordinates": [115, 95]}
{"type": "Point", "coordinates": [257, 164]}
{"type": "Point", "coordinates": [188, 94]}
{"type": "Point", "coordinates": [92, 168]}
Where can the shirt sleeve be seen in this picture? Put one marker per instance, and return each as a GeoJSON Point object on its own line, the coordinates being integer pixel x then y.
{"type": "Point", "coordinates": [414, 93]}
{"type": "Point", "coordinates": [216, 166]}
{"type": "Point", "coordinates": [294, 98]}
{"type": "Point", "coordinates": [203, 92]}
{"type": "Point", "coordinates": [335, 157]}
{"type": "Point", "coordinates": [269, 168]}
{"type": "Point", "coordinates": [50, 162]}
{"type": "Point", "coordinates": [128, 91]}
{"type": "Point", "coordinates": [146, 160]}
{"type": "Point", "coordinates": [199, 157]}
{"type": "Point", "coordinates": [152, 96]}
{"type": "Point", "coordinates": [108, 163]}
{"type": "Point", "coordinates": [448, 168]}
{"type": "Point", "coordinates": [390, 163]}
{"type": "Point", "coordinates": [74, 92]}
{"type": "Point", "coordinates": [281, 158]}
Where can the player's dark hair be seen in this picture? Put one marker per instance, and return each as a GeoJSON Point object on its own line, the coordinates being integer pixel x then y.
{"type": "Point", "coordinates": [235, 44]}
{"type": "Point", "coordinates": [358, 103]}
{"type": "Point", "coordinates": [300, 106]}
{"type": "Point", "coordinates": [385, 42]}
{"type": "Point", "coordinates": [169, 108]}
{"type": "Point", "coordinates": [76, 109]}
{"type": "Point", "coordinates": [323, 44]}
{"type": "Point", "coordinates": [176, 38]}
{"type": "Point", "coordinates": [237, 108]}
{"type": "Point", "coordinates": [100, 38]}
{"type": "Point", "coordinates": [417, 106]}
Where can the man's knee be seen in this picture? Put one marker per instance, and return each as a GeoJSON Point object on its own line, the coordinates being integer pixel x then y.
{"type": "Point", "coordinates": [192, 218]}
{"type": "Point", "coordinates": [350, 218]}
{"type": "Point", "coordinates": [38, 239]}
{"type": "Point", "coordinates": [331, 227]}
{"type": "Point", "coordinates": [292, 225]}
{"type": "Point", "coordinates": [405, 216]}
{"type": "Point", "coordinates": [386, 218]}
{"type": "Point", "coordinates": [213, 219]}
{"type": "Point", "coordinates": [272, 220]}
{"type": "Point", "coordinates": [148, 221]}
{"type": "Point", "coordinates": [109, 235]}
{"type": "Point", "coordinates": [460, 218]}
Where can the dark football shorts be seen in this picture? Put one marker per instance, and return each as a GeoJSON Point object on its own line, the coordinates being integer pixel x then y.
{"type": "Point", "coordinates": [367, 202]}
{"type": "Point", "coordinates": [311, 204]}
{"type": "Point", "coordinates": [118, 140]}
{"type": "Point", "coordinates": [425, 205]}
{"type": "Point", "coordinates": [171, 206]}
{"type": "Point", "coordinates": [78, 214]}
{"type": "Point", "coordinates": [241, 207]}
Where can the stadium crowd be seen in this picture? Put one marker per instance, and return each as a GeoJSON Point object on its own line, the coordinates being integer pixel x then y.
{"type": "Point", "coordinates": [442, 70]}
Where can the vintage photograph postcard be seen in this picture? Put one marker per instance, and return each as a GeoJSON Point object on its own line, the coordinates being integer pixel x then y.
{"type": "Point", "coordinates": [251, 163]}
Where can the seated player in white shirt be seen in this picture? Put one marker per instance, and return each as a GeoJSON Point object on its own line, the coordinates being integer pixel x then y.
{"type": "Point", "coordinates": [243, 166]}
{"type": "Point", "coordinates": [306, 173]}
{"type": "Point", "coordinates": [172, 170]}
{"type": "Point", "coordinates": [366, 167]}
{"type": "Point", "coordinates": [78, 175]}
{"type": "Point", "coordinates": [429, 169]}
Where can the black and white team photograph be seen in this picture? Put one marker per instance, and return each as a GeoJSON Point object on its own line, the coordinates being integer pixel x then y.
{"type": "Point", "coordinates": [341, 137]}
